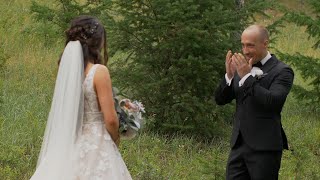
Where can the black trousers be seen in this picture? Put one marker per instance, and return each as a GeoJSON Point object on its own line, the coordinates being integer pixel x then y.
{"type": "Point", "coordinates": [244, 163]}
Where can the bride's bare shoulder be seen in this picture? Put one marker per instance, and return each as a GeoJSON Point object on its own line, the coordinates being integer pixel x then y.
{"type": "Point", "coordinates": [102, 69]}
{"type": "Point", "coordinates": [101, 74]}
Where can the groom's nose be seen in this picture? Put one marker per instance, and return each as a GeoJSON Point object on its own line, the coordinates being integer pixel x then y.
{"type": "Point", "coordinates": [245, 50]}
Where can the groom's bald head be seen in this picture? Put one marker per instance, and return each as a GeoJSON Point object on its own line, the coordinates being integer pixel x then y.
{"type": "Point", "coordinates": [260, 31]}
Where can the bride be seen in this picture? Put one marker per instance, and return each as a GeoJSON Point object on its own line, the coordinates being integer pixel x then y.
{"type": "Point", "coordinates": [81, 138]}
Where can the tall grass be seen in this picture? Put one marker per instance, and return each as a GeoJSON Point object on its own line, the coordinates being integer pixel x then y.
{"type": "Point", "coordinates": [28, 87]}
{"type": "Point", "coordinates": [301, 125]}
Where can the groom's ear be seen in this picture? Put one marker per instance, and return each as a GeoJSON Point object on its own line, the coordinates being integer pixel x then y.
{"type": "Point", "coordinates": [266, 43]}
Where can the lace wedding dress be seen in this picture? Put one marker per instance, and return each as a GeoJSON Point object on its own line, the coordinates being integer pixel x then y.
{"type": "Point", "coordinates": [97, 156]}
{"type": "Point", "coordinates": [76, 144]}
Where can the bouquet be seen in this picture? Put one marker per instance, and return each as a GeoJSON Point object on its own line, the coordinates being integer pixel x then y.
{"type": "Point", "coordinates": [129, 115]}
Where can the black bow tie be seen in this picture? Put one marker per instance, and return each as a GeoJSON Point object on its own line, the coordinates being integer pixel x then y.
{"type": "Point", "coordinates": [258, 64]}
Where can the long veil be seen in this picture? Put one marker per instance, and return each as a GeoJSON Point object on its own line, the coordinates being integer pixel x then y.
{"type": "Point", "coordinates": [65, 118]}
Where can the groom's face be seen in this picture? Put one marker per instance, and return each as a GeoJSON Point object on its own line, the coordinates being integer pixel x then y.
{"type": "Point", "coordinates": [253, 46]}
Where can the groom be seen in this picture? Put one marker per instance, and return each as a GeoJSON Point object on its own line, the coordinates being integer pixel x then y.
{"type": "Point", "coordinates": [259, 83]}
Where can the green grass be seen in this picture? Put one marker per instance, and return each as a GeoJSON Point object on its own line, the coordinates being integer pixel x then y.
{"type": "Point", "coordinates": [28, 87]}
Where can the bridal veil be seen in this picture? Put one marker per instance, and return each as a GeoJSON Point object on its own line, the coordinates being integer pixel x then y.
{"type": "Point", "coordinates": [65, 118]}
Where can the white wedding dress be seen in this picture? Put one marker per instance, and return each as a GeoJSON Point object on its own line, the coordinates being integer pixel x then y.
{"type": "Point", "coordinates": [97, 157]}
{"type": "Point", "coordinates": [76, 144]}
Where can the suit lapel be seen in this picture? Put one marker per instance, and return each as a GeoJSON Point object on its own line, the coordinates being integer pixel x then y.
{"type": "Point", "coordinates": [269, 64]}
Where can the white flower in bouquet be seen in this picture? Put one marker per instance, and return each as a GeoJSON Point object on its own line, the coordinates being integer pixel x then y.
{"type": "Point", "coordinates": [130, 116]}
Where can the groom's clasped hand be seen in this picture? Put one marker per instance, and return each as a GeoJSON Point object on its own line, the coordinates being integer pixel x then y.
{"type": "Point", "coordinates": [237, 62]}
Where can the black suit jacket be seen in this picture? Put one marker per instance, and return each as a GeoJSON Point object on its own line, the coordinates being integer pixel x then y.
{"type": "Point", "coordinates": [259, 102]}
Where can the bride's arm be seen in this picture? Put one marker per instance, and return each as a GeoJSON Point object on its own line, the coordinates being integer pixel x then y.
{"type": "Point", "coordinates": [102, 84]}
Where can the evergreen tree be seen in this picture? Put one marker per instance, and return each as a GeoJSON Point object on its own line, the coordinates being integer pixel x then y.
{"type": "Point", "coordinates": [175, 57]}
{"type": "Point", "coordinates": [170, 54]}
{"type": "Point", "coordinates": [55, 19]}
{"type": "Point", "coordinates": [309, 67]}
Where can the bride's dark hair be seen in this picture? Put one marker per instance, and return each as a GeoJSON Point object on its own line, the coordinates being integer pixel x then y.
{"type": "Point", "coordinates": [91, 34]}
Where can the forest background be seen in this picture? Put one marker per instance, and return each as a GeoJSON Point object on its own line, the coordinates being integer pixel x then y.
{"type": "Point", "coordinates": [170, 55]}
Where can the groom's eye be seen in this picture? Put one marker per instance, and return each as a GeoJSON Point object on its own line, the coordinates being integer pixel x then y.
{"type": "Point", "coordinates": [248, 46]}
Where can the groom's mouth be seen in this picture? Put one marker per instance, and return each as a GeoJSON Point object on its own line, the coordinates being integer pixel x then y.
{"type": "Point", "coordinates": [248, 58]}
